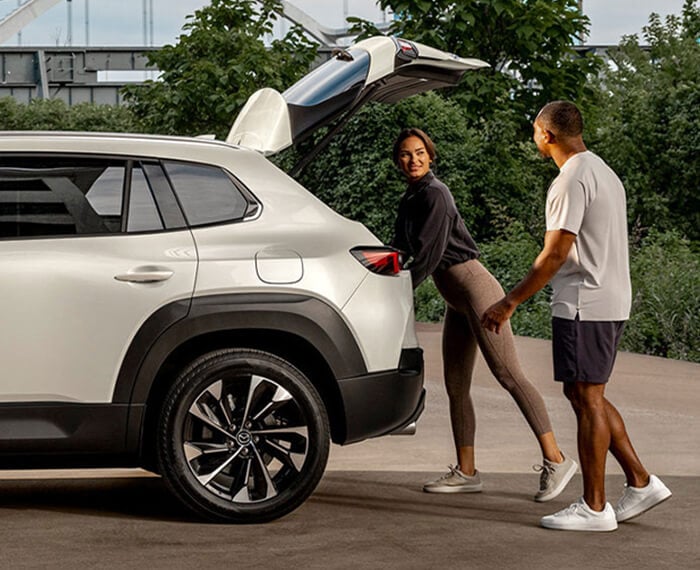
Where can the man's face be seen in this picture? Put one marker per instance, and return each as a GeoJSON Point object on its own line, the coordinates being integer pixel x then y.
{"type": "Point", "coordinates": [540, 136]}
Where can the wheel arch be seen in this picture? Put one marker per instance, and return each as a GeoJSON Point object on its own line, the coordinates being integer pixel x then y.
{"type": "Point", "coordinates": [303, 330]}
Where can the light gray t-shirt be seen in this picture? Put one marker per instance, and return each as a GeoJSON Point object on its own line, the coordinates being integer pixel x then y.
{"type": "Point", "coordinates": [588, 199]}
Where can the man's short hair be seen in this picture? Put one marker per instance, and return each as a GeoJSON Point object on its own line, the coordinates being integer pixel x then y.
{"type": "Point", "coordinates": [562, 118]}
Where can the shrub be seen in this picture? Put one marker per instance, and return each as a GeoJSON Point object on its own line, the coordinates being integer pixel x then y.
{"type": "Point", "coordinates": [55, 115]}
{"type": "Point", "coordinates": [430, 306]}
{"type": "Point", "coordinates": [665, 307]}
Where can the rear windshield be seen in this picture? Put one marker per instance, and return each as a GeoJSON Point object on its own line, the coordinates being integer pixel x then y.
{"type": "Point", "coordinates": [334, 77]}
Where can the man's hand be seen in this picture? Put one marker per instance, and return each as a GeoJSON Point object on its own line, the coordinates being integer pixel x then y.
{"type": "Point", "coordinates": [557, 244]}
{"type": "Point", "coordinates": [497, 314]}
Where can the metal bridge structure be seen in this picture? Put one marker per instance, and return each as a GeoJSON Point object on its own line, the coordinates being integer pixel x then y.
{"type": "Point", "coordinates": [77, 74]}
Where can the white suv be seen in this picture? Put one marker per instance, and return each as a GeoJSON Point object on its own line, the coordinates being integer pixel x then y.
{"type": "Point", "coordinates": [182, 305]}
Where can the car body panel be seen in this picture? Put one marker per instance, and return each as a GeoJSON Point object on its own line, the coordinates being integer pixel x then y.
{"type": "Point", "coordinates": [67, 321]}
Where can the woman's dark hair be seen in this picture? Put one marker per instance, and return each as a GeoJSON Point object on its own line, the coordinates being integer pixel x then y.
{"type": "Point", "coordinates": [413, 132]}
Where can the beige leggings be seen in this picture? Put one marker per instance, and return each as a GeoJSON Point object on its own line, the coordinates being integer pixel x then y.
{"type": "Point", "coordinates": [469, 289]}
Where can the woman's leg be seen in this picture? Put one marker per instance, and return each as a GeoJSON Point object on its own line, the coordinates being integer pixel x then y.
{"type": "Point", "coordinates": [471, 289]}
{"type": "Point", "coordinates": [458, 356]}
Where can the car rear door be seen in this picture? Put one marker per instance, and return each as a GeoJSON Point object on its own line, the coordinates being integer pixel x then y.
{"type": "Point", "coordinates": [83, 268]}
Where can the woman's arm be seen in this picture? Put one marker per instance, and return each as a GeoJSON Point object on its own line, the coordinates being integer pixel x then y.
{"type": "Point", "coordinates": [430, 234]}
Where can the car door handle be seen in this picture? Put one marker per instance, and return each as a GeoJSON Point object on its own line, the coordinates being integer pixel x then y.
{"type": "Point", "coordinates": [145, 276]}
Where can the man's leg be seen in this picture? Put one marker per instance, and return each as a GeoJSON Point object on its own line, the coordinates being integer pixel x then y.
{"type": "Point", "coordinates": [622, 450]}
{"type": "Point", "coordinates": [643, 491]}
{"type": "Point", "coordinates": [594, 437]}
{"type": "Point", "coordinates": [591, 512]}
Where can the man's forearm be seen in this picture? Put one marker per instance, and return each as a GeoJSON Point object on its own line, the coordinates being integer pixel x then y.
{"type": "Point", "coordinates": [543, 269]}
{"type": "Point", "coordinates": [556, 249]}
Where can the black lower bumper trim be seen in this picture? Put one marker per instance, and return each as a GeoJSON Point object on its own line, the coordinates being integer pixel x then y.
{"type": "Point", "coordinates": [377, 404]}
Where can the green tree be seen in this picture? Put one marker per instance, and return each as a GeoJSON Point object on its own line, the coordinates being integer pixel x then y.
{"type": "Point", "coordinates": [217, 63]}
{"type": "Point", "coordinates": [529, 44]}
{"type": "Point", "coordinates": [645, 122]}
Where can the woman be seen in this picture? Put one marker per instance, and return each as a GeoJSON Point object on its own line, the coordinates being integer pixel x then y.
{"type": "Point", "coordinates": [430, 231]}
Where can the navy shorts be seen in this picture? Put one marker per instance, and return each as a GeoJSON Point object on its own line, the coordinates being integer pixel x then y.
{"type": "Point", "coordinates": [584, 351]}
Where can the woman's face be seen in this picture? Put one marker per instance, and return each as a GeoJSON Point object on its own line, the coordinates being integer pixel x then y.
{"type": "Point", "coordinates": [414, 160]}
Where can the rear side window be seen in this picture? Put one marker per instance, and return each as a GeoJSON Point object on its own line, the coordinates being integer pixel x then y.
{"type": "Point", "coordinates": [208, 195]}
{"type": "Point", "coordinates": [55, 196]}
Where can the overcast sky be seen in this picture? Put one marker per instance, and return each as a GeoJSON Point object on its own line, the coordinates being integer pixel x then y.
{"type": "Point", "coordinates": [121, 22]}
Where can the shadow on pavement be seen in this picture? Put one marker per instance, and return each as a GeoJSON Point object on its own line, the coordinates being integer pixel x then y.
{"type": "Point", "coordinates": [354, 519]}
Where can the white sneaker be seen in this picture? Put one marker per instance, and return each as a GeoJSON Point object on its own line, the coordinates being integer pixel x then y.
{"type": "Point", "coordinates": [454, 482]}
{"type": "Point", "coordinates": [554, 477]}
{"type": "Point", "coordinates": [579, 516]}
{"type": "Point", "coordinates": [638, 500]}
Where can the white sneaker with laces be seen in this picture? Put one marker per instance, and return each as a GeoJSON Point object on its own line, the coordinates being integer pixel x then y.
{"type": "Point", "coordinates": [638, 500]}
{"type": "Point", "coordinates": [454, 482]}
{"type": "Point", "coordinates": [579, 516]}
{"type": "Point", "coordinates": [554, 477]}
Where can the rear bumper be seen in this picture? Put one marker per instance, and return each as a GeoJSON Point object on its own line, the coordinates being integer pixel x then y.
{"type": "Point", "coordinates": [384, 402]}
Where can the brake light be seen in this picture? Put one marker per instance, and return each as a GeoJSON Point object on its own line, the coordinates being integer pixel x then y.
{"type": "Point", "coordinates": [381, 260]}
{"type": "Point", "coordinates": [406, 49]}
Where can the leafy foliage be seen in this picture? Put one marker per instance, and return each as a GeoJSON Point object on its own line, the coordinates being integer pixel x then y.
{"type": "Point", "coordinates": [509, 258]}
{"type": "Point", "coordinates": [665, 283]}
{"type": "Point", "coordinates": [217, 63]}
{"type": "Point", "coordinates": [645, 123]}
{"type": "Point", "coordinates": [48, 115]}
{"type": "Point", "coordinates": [641, 117]}
{"type": "Point", "coordinates": [529, 44]}
{"type": "Point", "coordinates": [666, 286]}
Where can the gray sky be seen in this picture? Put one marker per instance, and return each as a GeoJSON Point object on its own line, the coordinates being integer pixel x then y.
{"type": "Point", "coordinates": [120, 22]}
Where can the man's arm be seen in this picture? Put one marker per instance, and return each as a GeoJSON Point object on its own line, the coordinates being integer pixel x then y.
{"type": "Point", "coordinates": [553, 255]}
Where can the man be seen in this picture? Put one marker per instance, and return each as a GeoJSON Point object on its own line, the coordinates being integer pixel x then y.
{"type": "Point", "coordinates": [585, 257]}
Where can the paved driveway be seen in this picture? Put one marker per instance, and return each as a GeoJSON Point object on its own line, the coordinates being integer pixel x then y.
{"type": "Point", "coordinates": [369, 511]}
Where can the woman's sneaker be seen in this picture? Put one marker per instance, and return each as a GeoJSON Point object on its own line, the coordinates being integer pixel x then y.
{"type": "Point", "coordinates": [554, 477]}
{"type": "Point", "coordinates": [638, 500]}
{"type": "Point", "coordinates": [454, 482]}
{"type": "Point", "coordinates": [579, 516]}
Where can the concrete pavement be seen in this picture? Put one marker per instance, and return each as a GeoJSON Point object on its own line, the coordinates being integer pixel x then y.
{"type": "Point", "coordinates": [369, 510]}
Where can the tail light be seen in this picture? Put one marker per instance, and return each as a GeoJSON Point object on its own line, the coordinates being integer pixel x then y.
{"type": "Point", "coordinates": [381, 260]}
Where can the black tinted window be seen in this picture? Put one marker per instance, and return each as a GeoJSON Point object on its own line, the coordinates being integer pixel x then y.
{"type": "Point", "coordinates": [335, 77]}
{"type": "Point", "coordinates": [52, 196]}
{"type": "Point", "coordinates": [206, 193]}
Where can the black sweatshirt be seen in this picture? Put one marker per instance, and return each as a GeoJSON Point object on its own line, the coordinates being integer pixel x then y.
{"type": "Point", "coordinates": [429, 229]}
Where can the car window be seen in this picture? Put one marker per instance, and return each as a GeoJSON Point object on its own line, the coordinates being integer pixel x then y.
{"type": "Point", "coordinates": [58, 195]}
{"type": "Point", "coordinates": [335, 77]}
{"type": "Point", "coordinates": [207, 194]}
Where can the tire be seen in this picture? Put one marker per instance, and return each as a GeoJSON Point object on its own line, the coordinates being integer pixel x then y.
{"type": "Point", "coordinates": [243, 437]}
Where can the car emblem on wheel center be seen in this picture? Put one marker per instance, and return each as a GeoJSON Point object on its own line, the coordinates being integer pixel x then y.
{"type": "Point", "coordinates": [243, 438]}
